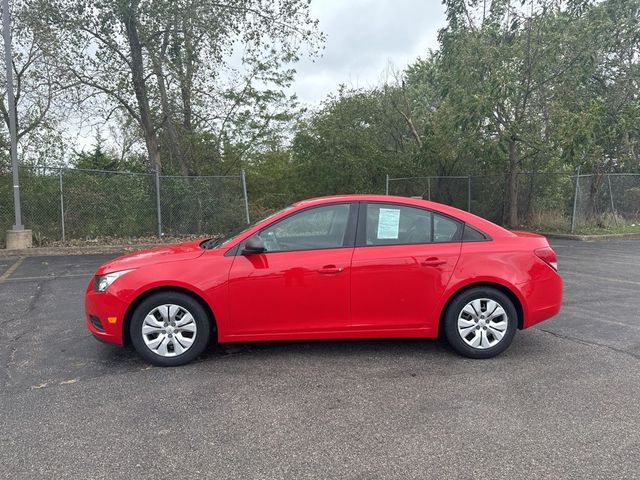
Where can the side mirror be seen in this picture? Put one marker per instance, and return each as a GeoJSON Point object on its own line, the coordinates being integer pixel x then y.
{"type": "Point", "coordinates": [254, 244]}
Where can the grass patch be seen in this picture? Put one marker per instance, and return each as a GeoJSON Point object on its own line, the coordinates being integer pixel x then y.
{"type": "Point", "coordinates": [596, 230]}
{"type": "Point", "coordinates": [599, 224]}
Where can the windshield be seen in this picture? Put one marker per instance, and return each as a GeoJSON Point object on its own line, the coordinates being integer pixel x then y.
{"type": "Point", "coordinates": [221, 241]}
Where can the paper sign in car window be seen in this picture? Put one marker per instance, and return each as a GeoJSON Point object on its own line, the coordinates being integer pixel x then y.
{"type": "Point", "coordinates": [388, 223]}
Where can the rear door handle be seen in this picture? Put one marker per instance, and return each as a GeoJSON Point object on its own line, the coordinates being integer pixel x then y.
{"type": "Point", "coordinates": [330, 269]}
{"type": "Point", "coordinates": [433, 262]}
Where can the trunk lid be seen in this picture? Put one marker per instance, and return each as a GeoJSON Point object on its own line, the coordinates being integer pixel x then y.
{"type": "Point", "coordinates": [522, 233]}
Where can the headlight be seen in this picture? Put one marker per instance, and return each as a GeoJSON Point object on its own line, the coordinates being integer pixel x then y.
{"type": "Point", "coordinates": [102, 282]}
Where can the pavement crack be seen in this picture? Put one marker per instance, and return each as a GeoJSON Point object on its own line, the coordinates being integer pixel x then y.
{"type": "Point", "coordinates": [34, 299]}
{"type": "Point", "coordinates": [592, 344]}
{"type": "Point", "coordinates": [12, 343]}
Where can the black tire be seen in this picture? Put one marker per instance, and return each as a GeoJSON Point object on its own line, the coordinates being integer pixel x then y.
{"type": "Point", "coordinates": [201, 319]}
{"type": "Point", "coordinates": [454, 338]}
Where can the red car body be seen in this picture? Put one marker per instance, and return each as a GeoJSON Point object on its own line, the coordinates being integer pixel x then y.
{"type": "Point", "coordinates": [356, 291]}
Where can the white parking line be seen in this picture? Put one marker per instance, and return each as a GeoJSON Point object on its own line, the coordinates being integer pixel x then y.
{"type": "Point", "coordinates": [45, 277]}
{"type": "Point", "coordinates": [10, 270]}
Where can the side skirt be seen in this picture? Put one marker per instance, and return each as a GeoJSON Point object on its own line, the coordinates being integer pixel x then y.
{"type": "Point", "coordinates": [342, 334]}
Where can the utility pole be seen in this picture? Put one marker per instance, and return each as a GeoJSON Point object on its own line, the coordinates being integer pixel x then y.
{"type": "Point", "coordinates": [17, 237]}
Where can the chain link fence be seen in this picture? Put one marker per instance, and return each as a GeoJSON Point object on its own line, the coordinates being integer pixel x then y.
{"type": "Point", "coordinates": [60, 204]}
{"type": "Point", "coordinates": [546, 201]}
{"type": "Point", "coordinates": [67, 204]}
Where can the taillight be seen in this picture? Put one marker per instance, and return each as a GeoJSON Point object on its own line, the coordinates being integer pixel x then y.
{"type": "Point", "coordinates": [548, 256]}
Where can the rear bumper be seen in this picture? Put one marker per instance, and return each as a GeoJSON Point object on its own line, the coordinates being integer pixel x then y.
{"type": "Point", "coordinates": [104, 315]}
{"type": "Point", "coordinates": [544, 298]}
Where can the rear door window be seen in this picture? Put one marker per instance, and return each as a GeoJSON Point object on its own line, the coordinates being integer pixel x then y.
{"type": "Point", "coordinates": [393, 224]}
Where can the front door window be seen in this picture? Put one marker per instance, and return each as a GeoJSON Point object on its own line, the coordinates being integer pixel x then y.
{"type": "Point", "coordinates": [311, 229]}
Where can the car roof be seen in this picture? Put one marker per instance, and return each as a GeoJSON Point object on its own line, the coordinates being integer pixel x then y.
{"type": "Point", "coordinates": [486, 226]}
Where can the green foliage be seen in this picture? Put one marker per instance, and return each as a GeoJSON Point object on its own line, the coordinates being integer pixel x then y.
{"type": "Point", "coordinates": [107, 160]}
{"type": "Point", "coordinates": [95, 160]}
{"type": "Point", "coordinates": [632, 200]}
{"type": "Point", "coordinates": [348, 146]}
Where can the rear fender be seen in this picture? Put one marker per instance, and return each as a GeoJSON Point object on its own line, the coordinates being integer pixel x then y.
{"type": "Point", "coordinates": [509, 270]}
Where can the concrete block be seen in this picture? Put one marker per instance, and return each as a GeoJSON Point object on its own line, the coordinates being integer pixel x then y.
{"type": "Point", "coordinates": [19, 239]}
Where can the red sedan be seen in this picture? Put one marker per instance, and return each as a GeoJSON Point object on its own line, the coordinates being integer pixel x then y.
{"type": "Point", "coordinates": [352, 266]}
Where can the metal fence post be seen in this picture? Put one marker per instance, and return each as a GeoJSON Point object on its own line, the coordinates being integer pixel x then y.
{"type": "Point", "coordinates": [158, 208]}
{"type": "Point", "coordinates": [60, 172]}
{"type": "Point", "coordinates": [575, 201]}
{"type": "Point", "coordinates": [469, 194]}
{"type": "Point", "coordinates": [429, 188]}
{"type": "Point", "coordinates": [244, 193]}
{"type": "Point", "coordinates": [386, 191]}
{"type": "Point", "coordinates": [613, 207]}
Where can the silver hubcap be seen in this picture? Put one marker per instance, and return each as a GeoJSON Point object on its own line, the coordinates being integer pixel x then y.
{"type": "Point", "coordinates": [482, 323]}
{"type": "Point", "coordinates": [169, 330]}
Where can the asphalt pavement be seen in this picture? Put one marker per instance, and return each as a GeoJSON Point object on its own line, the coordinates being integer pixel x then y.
{"type": "Point", "coordinates": [562, 402]}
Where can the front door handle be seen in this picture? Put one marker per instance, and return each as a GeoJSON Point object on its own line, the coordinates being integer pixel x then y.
{"type": "Point", "coordinates": [433, 262]}
{"type": "Point", "coordinates": [330, 269]}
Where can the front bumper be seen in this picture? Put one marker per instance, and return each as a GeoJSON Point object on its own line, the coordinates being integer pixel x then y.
{"type": "Point", "coordinates": [104, 315]}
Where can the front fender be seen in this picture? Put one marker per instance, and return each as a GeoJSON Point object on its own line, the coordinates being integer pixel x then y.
{"type": "Point", "coordinates": [206, 277]}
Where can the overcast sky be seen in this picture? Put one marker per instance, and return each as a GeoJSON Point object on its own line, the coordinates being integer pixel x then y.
{"type": "Point", "coordinates": [363, 37]}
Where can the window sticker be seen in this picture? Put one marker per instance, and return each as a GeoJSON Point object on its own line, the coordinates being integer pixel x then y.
{"type": "Point", "coordinates": [388, 223]}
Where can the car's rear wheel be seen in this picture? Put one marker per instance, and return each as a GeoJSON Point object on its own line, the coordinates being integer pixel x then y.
{"type": "Point", "coordinates": [170, 329]}
{"type": "Point", "coordinates": [480, 322]}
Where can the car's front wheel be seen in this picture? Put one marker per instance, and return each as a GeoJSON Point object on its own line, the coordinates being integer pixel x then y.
{"type": "Point", "coordinates": [480, 323]}
{"type": "Point", "coordinates": [170, 329]}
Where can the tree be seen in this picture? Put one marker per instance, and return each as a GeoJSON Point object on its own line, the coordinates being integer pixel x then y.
{"type": "Point", "coordinates": [121, 157]}
{"type": "Point", "coordinates": [42, 93]}
{"type": "Point", "coordinates": [96, 159]}
{"type": "Point", "coordinates": [499, 68]}
{"type": "Point", "coordinates": [600, 112]}
{"type": "Point", "coordinates": [166, 63]}
{"type": "Point", "coordinates": [350, 144]}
